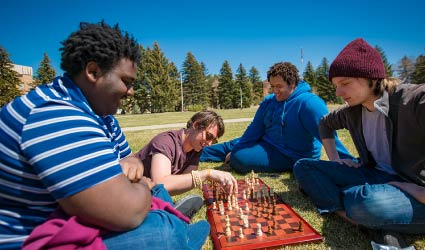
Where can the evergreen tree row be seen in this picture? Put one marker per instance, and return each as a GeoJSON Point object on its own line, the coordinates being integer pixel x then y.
{"type": "Point", "coordinates": [160, 87]}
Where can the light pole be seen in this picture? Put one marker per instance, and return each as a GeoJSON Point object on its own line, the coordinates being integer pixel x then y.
{"type": "Point", "coordinates": [240, 91]}
{"type": "Point", "coordinates": [181, 89]}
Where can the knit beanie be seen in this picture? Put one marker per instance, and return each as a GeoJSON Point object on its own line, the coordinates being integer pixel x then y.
{"type": "Point", "coordinates": [358, 59]}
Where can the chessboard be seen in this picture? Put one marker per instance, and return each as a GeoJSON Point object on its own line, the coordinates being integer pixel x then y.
{"type": "Point", "coordinates": [255, 218]}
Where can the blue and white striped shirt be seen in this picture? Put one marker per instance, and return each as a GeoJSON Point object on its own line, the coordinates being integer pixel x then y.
{"type": "Point", "coordinates": [52, 145]}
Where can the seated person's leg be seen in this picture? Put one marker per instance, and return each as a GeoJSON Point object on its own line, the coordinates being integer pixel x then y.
{"type": "Point", "coordinates": [260, 157]}
{"type": "Point", "coordinates": [217, 152]}
{"type": "Point", "coordinates": [322, 181]}
{"type": "Point", "coordinates": [160, 230]}
{"type": "Point", "coordinates": [383, 206]}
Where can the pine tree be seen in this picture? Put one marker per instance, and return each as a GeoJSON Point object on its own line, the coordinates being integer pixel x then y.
{"type": "Point", "coordinates": [419, 75]}
{"type": "Point", "coordinates": [406, 69]}
{"type": "Point", "coordinates": [309, 76]}
{"type": "Point", "coordinates": [141, 87]}
{"type": "Point", "coordinates": [257, 86]}
{"type": "Point", "coordinates": [388, 67]}
{"type": "Point", "coordinates": [45, 73]}
{"type": "Point", "coordinates": [9, 80]}
{"type": "Point", "coordinates": [226, 87]}
{"type": "Point", "coordinates": [245, 87]}
{"type": "Point", "coordinates": [158, 82]}
{"type": "Point", "coordinates": [194, 84]}
{"type": "Point", "coordinates": [325, 89]}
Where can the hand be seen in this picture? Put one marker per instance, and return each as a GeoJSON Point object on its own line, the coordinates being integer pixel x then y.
{"type": "Point", "coordinates": [227, 159]}
{"type": "Point", "coordinates": [226, 179]}
{"type": "Point", "coordinates": [132, 168]}
{"type": "Point", "coordinates": [418, 192]}
{"type": "Point", "coordinates": [147, 182]}
{"type": "Point", "coordinates": [348, 162]}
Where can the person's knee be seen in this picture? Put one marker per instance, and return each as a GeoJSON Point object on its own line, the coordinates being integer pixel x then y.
{"type": "Point", "coordinates": [373, 205]}
{"type": "Point", "coordinates": [303, 167]}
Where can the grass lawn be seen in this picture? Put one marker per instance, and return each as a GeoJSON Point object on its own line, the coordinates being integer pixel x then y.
{"type": "Point", "coordinates": [337, 233]}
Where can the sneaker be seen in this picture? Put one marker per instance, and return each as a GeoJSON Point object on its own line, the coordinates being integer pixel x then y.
{"type": "Point", "coordinates": [189, 205]}
{"type": "Point", "coordinates": [387, 238]}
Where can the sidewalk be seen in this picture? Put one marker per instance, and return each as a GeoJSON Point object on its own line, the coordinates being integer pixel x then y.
{"type": "Point", "coordinates": [178, 125]}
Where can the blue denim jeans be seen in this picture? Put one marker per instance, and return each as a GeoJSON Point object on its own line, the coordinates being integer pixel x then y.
{"type": "Point", "coordinates": [160, 230]}
{"type": "Point", "coordinates": [363, 194]}
{"type": "Point", "coordinates": [260, 157]}
{"type": "Point", "coordinates": [217, 152]}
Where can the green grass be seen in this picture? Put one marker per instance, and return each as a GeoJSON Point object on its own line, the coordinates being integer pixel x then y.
{"type": "Point", "coordinates": [337, 233]}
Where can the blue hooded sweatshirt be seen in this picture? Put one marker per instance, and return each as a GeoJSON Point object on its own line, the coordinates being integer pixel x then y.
{"type": "Point", "coordinates": [291, 125]}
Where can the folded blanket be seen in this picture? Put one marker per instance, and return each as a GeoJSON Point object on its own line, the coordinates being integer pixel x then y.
{"type": "Point", "coordinates": [67, 233]}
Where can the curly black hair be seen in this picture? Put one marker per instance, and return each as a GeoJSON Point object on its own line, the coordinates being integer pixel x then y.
{"type": "Point", "coordinates": [100, 43]}
{"type": "Point", "coordinates": [286, 70]}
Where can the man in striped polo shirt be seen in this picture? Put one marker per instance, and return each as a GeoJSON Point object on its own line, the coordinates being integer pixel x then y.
{"type": "Point", "coordinates": [60, 145]}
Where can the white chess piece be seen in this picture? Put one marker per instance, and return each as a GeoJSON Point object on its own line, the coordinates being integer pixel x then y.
{"type": "Point", "coordinates": [259, 230]}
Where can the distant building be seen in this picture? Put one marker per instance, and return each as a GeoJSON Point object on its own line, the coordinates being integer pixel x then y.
{"type": "Point", "coordinates": [25, 76]}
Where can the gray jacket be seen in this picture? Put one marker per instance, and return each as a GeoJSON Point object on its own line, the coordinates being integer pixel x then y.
{"type": "Point", "coordinates": [405, 108]}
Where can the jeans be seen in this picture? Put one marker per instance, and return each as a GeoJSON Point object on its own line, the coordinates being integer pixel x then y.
{"type": "Point", "coordinates": [160, 230]}
{"type": "Point", "coordinates": [260, 157]}
{"type": "Point", "coordinates": [363, 194]}
{"type": "Point", "coordinates": [217, 152]}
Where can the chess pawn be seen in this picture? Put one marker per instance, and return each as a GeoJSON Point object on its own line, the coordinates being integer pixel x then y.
{"type": "Point", "coordinates": [240, 213]}
{"type": "Point", "coordinates": [229, 206]}
{"type": "Point", "coordinates": [228, 231]}
{"type": "Point", "coordinates": [244, 195]}
{"type": "Point", "coordinates": [259, 230]}
{"type": "Point", "coordinates": [245, 221]}
{"type": "Point", "coordinates": [269, 229]}
{"type": "Point", "coordinates": [246, 207]}
{"type": "Point", "coordinates": [241, 235]}
{"type": "Point", "coordinates": [214, 207]}
{"type": "Point", "coordinates": [221, 209]}
{"type": "Point", "coordinates": [227, 220]}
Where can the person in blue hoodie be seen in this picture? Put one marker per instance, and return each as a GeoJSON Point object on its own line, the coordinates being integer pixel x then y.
{"type": "Point", "coordinates": [284, 128]}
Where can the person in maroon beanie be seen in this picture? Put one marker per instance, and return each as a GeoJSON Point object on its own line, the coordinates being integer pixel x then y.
{"type": "Point", "coordinates": [383, 192]}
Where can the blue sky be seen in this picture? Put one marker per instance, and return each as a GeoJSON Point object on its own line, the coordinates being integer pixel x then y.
{"type": "Point", "coordinates": [254, 33]}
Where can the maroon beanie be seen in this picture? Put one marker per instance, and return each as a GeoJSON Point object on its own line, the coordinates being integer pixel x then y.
{"type": "Point", "coordinates": [358, 59]}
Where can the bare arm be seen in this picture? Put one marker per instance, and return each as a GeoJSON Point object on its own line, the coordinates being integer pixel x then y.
{"type": "Point", "coordinates": [177, 184]}
{"type": "Point", "coordinates": [332, 153]}
{"type": "Point", "coordinates": [116, 204]}
{"type": "Point", "coordinates": [418, 192]}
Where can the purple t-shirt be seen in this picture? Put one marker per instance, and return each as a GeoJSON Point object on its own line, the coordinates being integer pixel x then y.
{"type": "Point", "coordinates": [170, 144]}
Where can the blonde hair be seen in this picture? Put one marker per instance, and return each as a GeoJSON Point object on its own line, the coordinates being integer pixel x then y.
{"type": "Point", "coordinates": [388, 84]}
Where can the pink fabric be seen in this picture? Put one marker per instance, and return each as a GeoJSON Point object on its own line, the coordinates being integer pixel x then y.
{"type": "Point", "coordinates": [157, 203]}
{"type": "Point", "coordinates": [64, 233]}
{"type": "Point", "coordinates": [61, 232]}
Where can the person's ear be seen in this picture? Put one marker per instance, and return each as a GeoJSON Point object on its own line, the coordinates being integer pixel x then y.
{"type": "Point", "coordinates": [92, 71]}
{"type": "Point", "coordinates": [196, 125]}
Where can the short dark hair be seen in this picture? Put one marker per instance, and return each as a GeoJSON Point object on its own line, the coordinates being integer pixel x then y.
{"type": "Point", "coordinates": [206, 118]}
{"type": "Point", "coordinates": [286, 70]}
{"type": "Point", "coordinates": [98, 43]}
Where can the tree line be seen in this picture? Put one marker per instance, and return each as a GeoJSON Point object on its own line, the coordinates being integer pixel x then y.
{"type": "Point", "coordinates": [161, 87]}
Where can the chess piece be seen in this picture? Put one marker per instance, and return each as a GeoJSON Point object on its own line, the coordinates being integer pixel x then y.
{"type": "Point", "coordinates": [269, 229]}
{"type": "Point", "coordinates": [259, 230]}
{"type": "Point", "coordinates": [228, 231]}
{"type": "Point", "coordinates": [241, 235]}
{"type": "Point", "coordinates": [245, 221]}
{"type": "Point", "coordinates": [274, 224]}
{"type": "Point", "coordinates": [244, 195]}
{"type": "Point", "coordinates": [229, 206]}
{"type": "Point", "coordinates": [246, 207]}
{"type": "Point", "coordinates": [214, 207]}
{"type": "Point", "coordinates": [227, 220]}
{"type": "Point", "coordinates": [240, 213]}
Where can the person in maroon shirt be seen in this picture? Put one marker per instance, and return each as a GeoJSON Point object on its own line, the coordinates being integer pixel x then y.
{"type": "Point", "coordinates": [171, 158]}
